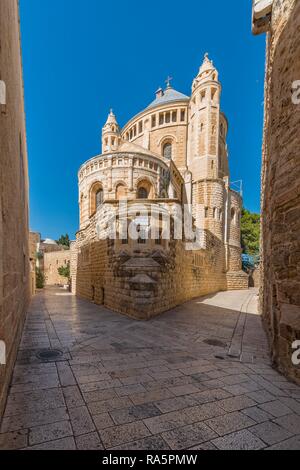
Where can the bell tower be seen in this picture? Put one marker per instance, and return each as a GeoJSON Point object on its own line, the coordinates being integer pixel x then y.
{"type": "Point", "coordinates": [204, 123]}
{"type": "Point", "coordinates": [207, 152]}
{"type": "Point", "coordinates": [110, 134]}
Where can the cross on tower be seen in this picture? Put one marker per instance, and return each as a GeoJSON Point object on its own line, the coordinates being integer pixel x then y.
{"type": "Point", "coordinates": [168, 81]}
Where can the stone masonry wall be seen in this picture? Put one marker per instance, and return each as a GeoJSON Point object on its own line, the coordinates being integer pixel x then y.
{"type": "Point", "coordinates": [14, 245]}
{"type": "Point", "coordinates": [143, 287]}
{"type": "Point", "coordinates": [280, 295]}
{"type": "Point", "coordinates": [34, 239]}
{"type": "Point", "coordinates": [53, 261]}
{"type": "Point", "coordinates": [209, 206]}
{"type": "Point", "coordinates": [143, 284]}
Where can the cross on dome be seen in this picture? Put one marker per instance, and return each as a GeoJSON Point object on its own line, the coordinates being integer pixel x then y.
{"type": "Point", "coordinates": [168, 81]}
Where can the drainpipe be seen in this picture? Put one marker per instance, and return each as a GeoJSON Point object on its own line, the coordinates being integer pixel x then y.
{"type": "Point", "coordinates": [226, 224]}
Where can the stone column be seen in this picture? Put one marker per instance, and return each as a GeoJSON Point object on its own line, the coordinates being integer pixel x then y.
{"type": "Point", "coordinates": [109, 175]}
{"type": "Point", "coordinates": [130, 174]}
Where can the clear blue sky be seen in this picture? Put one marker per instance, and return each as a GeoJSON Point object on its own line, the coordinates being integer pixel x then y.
{"type": "Point", "coordinates": [83, 57]}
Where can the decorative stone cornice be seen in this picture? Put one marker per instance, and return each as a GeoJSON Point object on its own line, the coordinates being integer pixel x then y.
{"type": "Point", "coordinates": [261, 16]}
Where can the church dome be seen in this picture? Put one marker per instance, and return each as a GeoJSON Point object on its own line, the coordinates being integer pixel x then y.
{"type": "Point", "coordinates": [167, 96]}
{"type": "Point", "coordinates": [49, 241]}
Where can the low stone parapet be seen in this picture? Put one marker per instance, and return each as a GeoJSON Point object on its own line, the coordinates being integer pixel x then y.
{"type": "Point", "coordinates": [237, 280]}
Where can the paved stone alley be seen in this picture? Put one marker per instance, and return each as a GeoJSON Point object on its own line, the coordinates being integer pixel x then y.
{"type": "Point", "coordinates": [197, 377]}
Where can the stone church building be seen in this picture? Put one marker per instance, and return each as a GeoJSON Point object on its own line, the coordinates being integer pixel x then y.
{"type": "Point", "coordinates": [172, 155]}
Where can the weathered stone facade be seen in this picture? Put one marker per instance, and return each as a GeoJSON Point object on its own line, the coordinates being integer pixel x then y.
{"type": "Point", "coordinates": [34, 242]}
{"type": "Point", "coordinates": [144, 280]}
{"type": "Point", "coordinates": [280, 293]}
{"type": "Point", "coordinates": [47, 246]}
{"type": "Point", "coordinates": [52, 261]}
{"type": "Point", "coordinates": [172, 154]}
{"type": "Point", "coordinates": [14, 245]}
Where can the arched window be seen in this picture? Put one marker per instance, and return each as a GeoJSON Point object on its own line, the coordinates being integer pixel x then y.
{"type": "Point", "coordinates": [167, 151]}
{"type": "Point", "coordinates": [233, 215]}
{"type": "Point", "coordinates": [145, 190]}
{"type": "Point", "coordinates": [121, 191]}
{"type": "Point", "coordinates": [99, 198]}
{"type": "Point", "coordinates": [96, 198]}
{"type": "Point", "coordinates": [81, 207]}
{"type": "Point", "coordinates": [142, 237]}
{"type": "Point", "coordinates": [142, 193]}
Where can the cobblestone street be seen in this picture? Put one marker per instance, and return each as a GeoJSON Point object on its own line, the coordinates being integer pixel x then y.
{"type": "Point", "coordinates": [197, 377]}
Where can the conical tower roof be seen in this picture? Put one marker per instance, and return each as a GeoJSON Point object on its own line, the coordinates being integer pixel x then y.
{"type": "Point", "coordinates": [111, 119]}
{"type": "Point", "coordinates": [111, 124]}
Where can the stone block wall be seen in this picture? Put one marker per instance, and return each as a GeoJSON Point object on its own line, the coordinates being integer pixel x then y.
{"type": "Point", "coordinates": [53, 261]}
{"type": "Point", "coordinates": [34, 240]}
{"type": "Point", "coordinates": [237, 280]}
{"type": "Point", "coordinates": [280, 294]}
{"type": "Point", "coordinates": [147, 286]}
{"type": "Point", "coordinates": [143, 283]}
{"type": "Point", "coordinates": [234, 216]}
{"type": "Point", "coordinates": [255, 278]}
{"type": "Point", "coordinates": [209, 205]}
{"type": "Point", "coordinates": [234, 258]}
{"type": "Point", "coordinates": [14, 244]}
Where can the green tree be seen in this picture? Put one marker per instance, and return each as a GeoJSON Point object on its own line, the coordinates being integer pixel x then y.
{"type": "Point", "coordinates": [39, 278]}
{"type": "Point", "coordinates": [39, 255]}
{"type": "Point", "coordinates": [64, 240]}
{"type": "Point", "coordinates": [64, 271]}
{"type": "Point", "coordinates": [250, 232]}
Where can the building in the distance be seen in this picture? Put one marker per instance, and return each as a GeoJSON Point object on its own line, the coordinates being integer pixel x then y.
{"type": "Point", "coordinates": [53, 260]}
{"type": "Point", "coordinates": [170, 155]}
{"type": "Point", "coordinates": [14, 243]}
{"type": "Point", "coordinates": [48, 257]}
{"type": "Point", "coordinates": [34, 243]}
